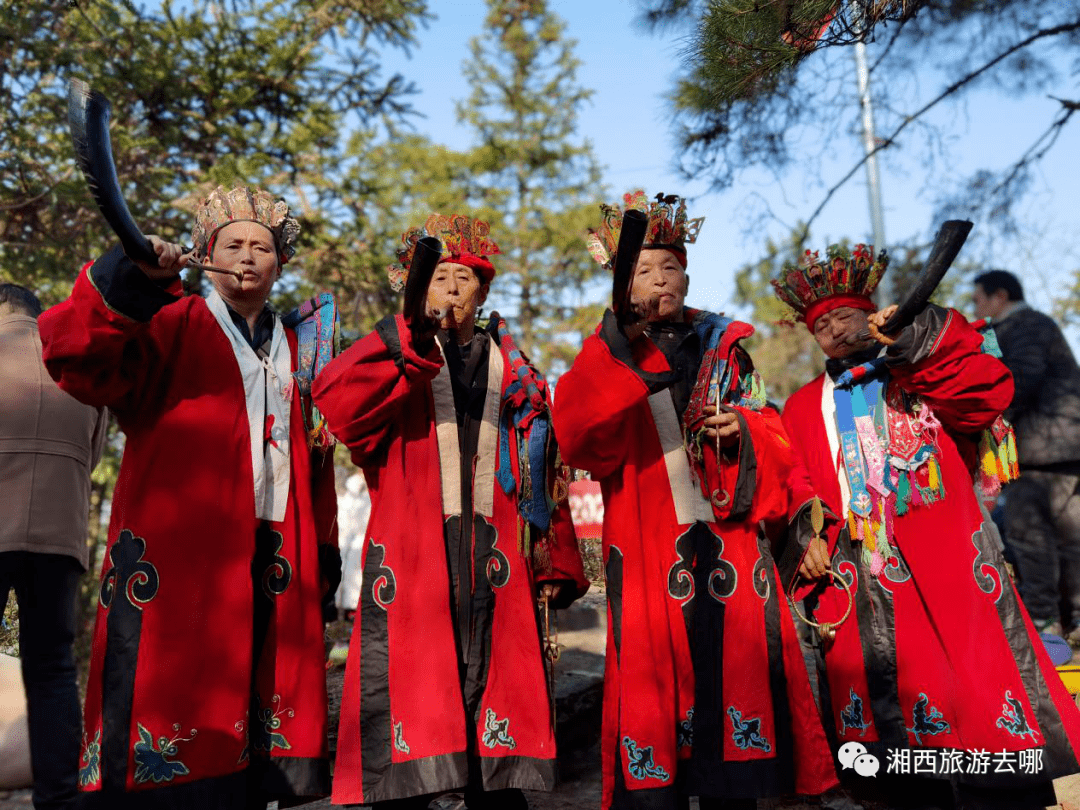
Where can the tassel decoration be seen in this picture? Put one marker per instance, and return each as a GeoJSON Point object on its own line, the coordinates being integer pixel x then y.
{"type": "Point", "coordinates": [997, 458]}
{"type": "Point", "coordinates": [877, 564]}
{"type": "Point", "coordinates": [1013, 465]}
{"type": "Point", "coordinates": [916, 490]}
{"type": "Point", "coordinates": [903, 494]}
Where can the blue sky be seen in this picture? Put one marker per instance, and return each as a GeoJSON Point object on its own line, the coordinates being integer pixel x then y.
{"type": "Point", "coordinates": [628, 123]}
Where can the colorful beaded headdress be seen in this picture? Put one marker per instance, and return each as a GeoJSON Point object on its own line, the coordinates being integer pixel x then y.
{"type": "Point", "coordinates": [464, 241]}
{"type": "Point", "coordinates": [844, 279]}
{"type": "Point", "coordinates": [244, 204]}
{"type": "Point", "coordinates": [668, 226]}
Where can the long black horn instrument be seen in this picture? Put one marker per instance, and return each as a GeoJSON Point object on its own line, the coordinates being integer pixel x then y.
{"type": "Point", "coordinates": [950, 238]}
{"type": "Point", "coordinates": [424, 261]}
{"type": "Point", "coordinates": [631, 238]}
{"type": "Point", "coordinates": [88, 120]}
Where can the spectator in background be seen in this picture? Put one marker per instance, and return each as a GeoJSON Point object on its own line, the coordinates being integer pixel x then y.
{"type": "Point", "coordinates": [49, 443]}
{"type": "Point", "coordinates": [1042, 508]}
{"type": "Point", "coordinates": [354, 509]}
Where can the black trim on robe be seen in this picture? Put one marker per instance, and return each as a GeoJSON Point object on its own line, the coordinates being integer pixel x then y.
{"type": "Point", "coordinates": [375, 717]}
{"type": "Point", "coordinates": [130, 577]}
{"type": "Point", "coordinates": [127, 289]}
{"type": "Point", "coordinates": [388, 333]}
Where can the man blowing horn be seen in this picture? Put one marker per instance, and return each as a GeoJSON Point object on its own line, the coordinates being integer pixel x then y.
{"type": "Point", "coordinates": [445, 686]}
{"type": "Point", "coordinates": [207, 684]}
{"type": "Point", "coordinates": [705, 691]}
{"type": "Point", "coordinates": [940, 655]}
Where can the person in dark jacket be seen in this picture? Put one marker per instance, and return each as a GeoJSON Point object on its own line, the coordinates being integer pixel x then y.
{"type": "Point", "coordinates": [1042, 508]}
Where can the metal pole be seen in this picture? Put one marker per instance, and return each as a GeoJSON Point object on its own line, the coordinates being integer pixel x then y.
{"type": "Point", "coordinates": [873, 179]}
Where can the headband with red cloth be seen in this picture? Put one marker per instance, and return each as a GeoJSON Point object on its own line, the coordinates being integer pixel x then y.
{"type": "Point", "coordinates": [483, 268]}
{"type": "Point", "coordinates": [819, 308]}
{"type": "Point", "coordinates": [669, 228]}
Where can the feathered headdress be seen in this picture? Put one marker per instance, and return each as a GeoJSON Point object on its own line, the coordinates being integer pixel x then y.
{"type": "Point", "coordinates": [668, 226]}
{"type": "Point", "coordinates": [245, 204]}
{"type": "Point", "coordinates": [464, 241]}
{"type": "Point", "coordinates": [844, 279]}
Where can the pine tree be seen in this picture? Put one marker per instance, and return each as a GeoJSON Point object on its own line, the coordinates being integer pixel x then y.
{"type": "Point", "coordinates": [386, 189]}
{"type": "Point", "coordinates": [538, 181]}
{"type": "Point", "coordinates": [747, 94]}
{"type": "Point", "coordinates": [202, 93]}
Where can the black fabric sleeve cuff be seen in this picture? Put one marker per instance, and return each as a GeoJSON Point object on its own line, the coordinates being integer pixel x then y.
{"type": "Point", "coordinates": [619, 346]}
{"type": "Point", "coordinates": [127, 289]}
{"type": "Point", "coordinates": [799, 534]}
{"type": "Point", "coordinates": [917, 342]}
{"type": "Point", "coordinates": [387, 329]}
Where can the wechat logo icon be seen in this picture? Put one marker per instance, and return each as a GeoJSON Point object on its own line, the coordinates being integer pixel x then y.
{"type": "Point", "coordinates": [853, 755]}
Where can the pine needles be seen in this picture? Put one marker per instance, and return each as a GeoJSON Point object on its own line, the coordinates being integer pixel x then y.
{"type": "Point", "coordinates": [743, 45]}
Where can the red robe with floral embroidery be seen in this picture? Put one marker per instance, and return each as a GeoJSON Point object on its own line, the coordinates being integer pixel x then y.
{"type": "Point", "coordinates": [170, 684]}
{"type": "Point", "coordinates": [704, 675]}
{"type": "Point", "coordinates": [445, 662]}
{"type": "Point", "coordinates": [939, 652]}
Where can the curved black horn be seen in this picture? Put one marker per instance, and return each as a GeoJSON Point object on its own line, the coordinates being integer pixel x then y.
{"type": "Point", "coordinates": [88, 119]}
{"type": "Point", "coordinates": [950, 238]}
{"type": "Point", "coordinates": [425, 259]}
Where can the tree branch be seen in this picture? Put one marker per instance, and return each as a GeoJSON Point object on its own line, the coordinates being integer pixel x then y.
{"type": "Point", "coordinates": [28, 201]}
{"type": "Point", "coordinates": [948, 91]}
{"type": "Point", "coordinates": [888, 47]}
{"type": "Point", "coordinates": [1036, 152]}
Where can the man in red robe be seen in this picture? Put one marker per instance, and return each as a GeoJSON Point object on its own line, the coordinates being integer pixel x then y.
{"type": "Point", "coordinates": [705, 691]}
{"type": "Point", "coordinates": [939, 660]}
{"type": "Point", "coordinates": [207, 681]}
{"type": "Point", "coordinates": [445, 685]}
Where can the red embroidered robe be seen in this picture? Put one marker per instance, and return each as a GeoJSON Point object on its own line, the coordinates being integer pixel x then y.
{"type": "Point", "coordinates": [413, 712]}
{"type": "Point", "coordinates": [171, 671]}
{"type": "Point", "coordinates": [939, 652]}
{"type": "Point", "coordinates": [704, 673]}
